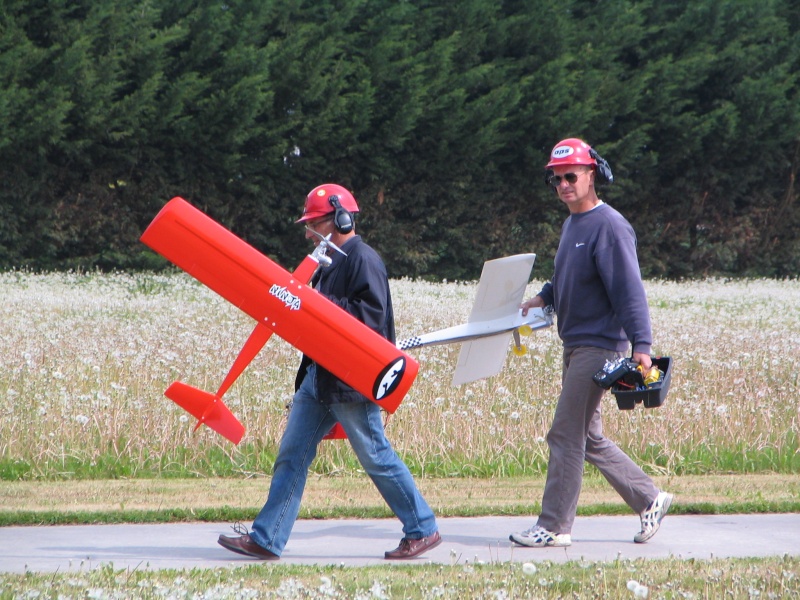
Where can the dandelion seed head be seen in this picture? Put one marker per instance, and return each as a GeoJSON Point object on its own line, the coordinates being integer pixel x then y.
{"type": "Point", "coordinates": [378, 590]}
{"type": "Point", "coordinates": [638, 590]}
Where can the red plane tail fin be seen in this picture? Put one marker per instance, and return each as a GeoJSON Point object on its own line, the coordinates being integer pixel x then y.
{"type": "Point", "coordinates": [206, 408]}
{"type": "Point", "coordinates": [336, 433]}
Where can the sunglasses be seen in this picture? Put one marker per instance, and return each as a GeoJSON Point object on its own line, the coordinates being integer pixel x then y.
{"type": "Point", "coordinates": [318, 222]}
{"type": "Point", "coordinates": [555, 180]}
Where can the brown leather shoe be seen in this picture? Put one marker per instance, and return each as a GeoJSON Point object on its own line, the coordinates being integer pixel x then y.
{"type": "Point", "coordinates": [409, 548]}
{"type": "Point", "coordinates": [244, 545]}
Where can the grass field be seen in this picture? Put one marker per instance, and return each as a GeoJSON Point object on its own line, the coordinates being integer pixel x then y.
{"type": "Point", "coordinates": [750, 579]}
{"type": "Point", "coordinates": [86, 358]}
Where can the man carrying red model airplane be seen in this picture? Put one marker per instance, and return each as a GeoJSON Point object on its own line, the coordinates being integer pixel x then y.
{"type": "Point", "coordinates": [357, 282]}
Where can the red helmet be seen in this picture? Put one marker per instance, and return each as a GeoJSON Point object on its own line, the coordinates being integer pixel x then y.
{"type": "Point", "coordinates": [571, 151]}
{"type": "Point", "coordinates": [318, 202]}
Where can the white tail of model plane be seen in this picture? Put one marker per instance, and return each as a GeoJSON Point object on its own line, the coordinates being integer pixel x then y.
{"type": "Point", "coordinates": [494, 319]}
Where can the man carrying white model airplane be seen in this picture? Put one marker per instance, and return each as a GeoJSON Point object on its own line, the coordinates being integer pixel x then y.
{"type": "Point", "coordinates": [601, 307]}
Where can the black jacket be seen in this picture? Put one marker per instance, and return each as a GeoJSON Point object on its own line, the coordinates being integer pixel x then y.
{"type": "Point", "coordinates": [358, 283]}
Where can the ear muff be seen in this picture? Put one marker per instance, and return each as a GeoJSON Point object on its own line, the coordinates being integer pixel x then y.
{"type": "Point", "coordinates": [603, 172]}
{"type": "Point", "coordinates": [342, 218]}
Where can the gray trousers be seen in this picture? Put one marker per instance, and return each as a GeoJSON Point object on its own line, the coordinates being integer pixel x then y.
{"type": "Point", "coordinates": [577, 435]}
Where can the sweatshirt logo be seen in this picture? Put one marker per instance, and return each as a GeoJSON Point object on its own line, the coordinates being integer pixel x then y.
{"type": "Point", "coordinates": [291, 301]}
{"type": "Point", "coordinates": [579, 244]}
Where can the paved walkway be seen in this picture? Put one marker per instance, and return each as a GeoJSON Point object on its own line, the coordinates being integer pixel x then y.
{"type": "Point", "coordinates": [362, 542]}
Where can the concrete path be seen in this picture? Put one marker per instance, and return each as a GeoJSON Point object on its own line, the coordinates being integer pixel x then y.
{"type": "Point", "coordinates": [353, 542]}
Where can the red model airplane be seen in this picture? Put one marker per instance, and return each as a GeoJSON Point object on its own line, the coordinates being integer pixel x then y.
{"type": "Point", "coordinates": [281, 303]}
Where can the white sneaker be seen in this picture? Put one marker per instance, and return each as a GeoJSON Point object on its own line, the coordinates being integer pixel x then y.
{"type": "Point", "coordinates": [539, 537]}
{"type": "Point", "coordinates": [652, 517]}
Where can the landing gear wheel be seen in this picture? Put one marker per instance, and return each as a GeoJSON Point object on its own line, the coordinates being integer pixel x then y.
{"type": "Point", "coordinates": [520, 350]}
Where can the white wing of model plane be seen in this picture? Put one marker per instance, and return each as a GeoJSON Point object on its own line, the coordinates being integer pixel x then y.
{"type": "Point", "coordinates": [495, 316]}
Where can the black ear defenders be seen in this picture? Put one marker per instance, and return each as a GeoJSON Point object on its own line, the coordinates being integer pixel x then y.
{"type": "Point", "coordinates": [342, 219]}
{"type": "Point", "coordinates": [603, 172]}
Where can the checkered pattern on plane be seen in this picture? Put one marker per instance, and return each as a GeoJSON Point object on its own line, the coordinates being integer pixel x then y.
{"type": "Point", "coordinates": [411, 342]}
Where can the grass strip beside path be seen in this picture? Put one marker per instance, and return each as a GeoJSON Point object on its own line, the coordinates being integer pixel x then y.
{"type": "Point", "coordinates": [162, 500]}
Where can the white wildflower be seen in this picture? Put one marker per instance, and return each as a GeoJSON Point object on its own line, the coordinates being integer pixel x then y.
{"type": "Point", "coordinates": [326, 587]}
{"type": "Point", "coordinates": [638, 590]}
{"type": "Point", "coordinates": [378, 590]}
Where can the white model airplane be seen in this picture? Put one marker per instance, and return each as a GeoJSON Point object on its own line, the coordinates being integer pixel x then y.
{"type": "Point", "coordinates": [495, 315]}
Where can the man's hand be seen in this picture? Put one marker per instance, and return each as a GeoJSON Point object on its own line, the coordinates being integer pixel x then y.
{"type": "Point", "coordinates": [535, 302]}
{"type": "Point", "coordinates": [642, 359]}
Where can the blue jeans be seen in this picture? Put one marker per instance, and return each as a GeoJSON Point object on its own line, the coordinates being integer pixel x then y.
{"type": "Point", "coordinates": [309, 420]}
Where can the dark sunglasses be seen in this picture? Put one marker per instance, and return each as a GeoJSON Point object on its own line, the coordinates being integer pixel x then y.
{"type": "Point", "coordinates": [555, 180]}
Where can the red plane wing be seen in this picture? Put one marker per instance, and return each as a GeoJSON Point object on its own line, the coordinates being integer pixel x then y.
{"type": "Point", "coordinates": [282, 302]}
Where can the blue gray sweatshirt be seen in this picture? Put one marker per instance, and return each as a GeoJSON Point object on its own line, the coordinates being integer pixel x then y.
{"type": "Point", "coordinates": [597, 288]}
